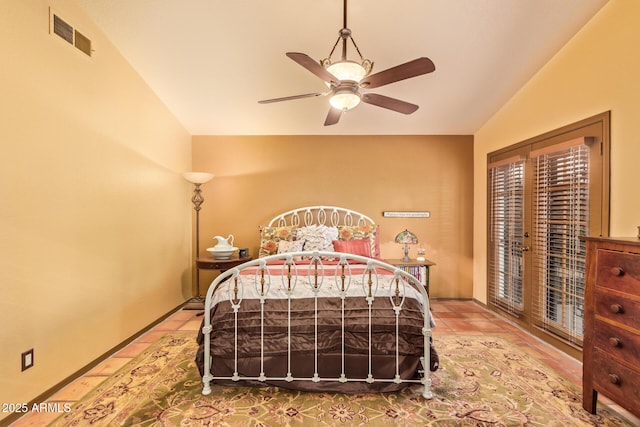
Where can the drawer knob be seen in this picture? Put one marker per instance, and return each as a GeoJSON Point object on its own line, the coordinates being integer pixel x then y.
{"type": "Point", "coordinates": [614, 379]}
{"type": "Point", "coordinates": [615, 342]}
{"type": "Point", "coordinates": [617, 271]}
{"type": "Point", "coordinates": [616, 308]}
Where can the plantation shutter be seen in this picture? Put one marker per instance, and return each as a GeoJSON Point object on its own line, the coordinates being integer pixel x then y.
{"type": "Point", "coordinates": [505, 269]}
{"type": "Point", "coordinates": [561, 216]}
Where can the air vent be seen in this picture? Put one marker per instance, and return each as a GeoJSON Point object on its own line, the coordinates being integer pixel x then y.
{"type": "Point", "coordinates": [69, 34]}
{"type": "Point", "coordinates": [82, 43]}
{"type": "Point", "coordinates": [62, 29]}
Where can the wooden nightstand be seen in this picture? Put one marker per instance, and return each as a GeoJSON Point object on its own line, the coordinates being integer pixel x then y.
{"type": "Point", "coordinates": [207, 262]}
{"type": "Point", "coordinates": [418, 269]}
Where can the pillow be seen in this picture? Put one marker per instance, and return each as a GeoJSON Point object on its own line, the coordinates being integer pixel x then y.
{"type": "Point", "coordinates": [270, 236]}
{"type": "Point", "coordinates": [355, 247]}
{"type": "Point", "coordinates": [376, 244]}
{"type": "Point", "coordinates": [317, 237]}
{"type": "Point", "coordinates": [285, 246]}
{"type": "Point", "coordinates": [359, 232]}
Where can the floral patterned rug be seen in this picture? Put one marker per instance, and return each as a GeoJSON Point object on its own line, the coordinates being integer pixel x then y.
{"type": "Point", "coordinates": [482, 381]}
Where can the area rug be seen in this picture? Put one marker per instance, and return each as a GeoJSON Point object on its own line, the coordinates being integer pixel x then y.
{"type": "Point", "coordinates": [482, 381]}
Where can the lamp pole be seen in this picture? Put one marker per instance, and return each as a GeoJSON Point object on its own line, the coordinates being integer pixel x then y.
{"type": "Point", "coordinates": [197, 178]}
{"type": "Point", "coordinates": [197, 200]}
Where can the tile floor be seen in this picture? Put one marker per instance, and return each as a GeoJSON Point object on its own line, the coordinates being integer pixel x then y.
{"type": "Point", "coordinates": [464, 317]}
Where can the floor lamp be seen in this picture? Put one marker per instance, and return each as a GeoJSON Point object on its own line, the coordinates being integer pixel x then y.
{"type": "Point", "coordinates": [197, 178]}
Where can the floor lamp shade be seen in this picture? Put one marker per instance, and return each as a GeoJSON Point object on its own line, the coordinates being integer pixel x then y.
{"type": "Point", "coordinates": [198, 177]}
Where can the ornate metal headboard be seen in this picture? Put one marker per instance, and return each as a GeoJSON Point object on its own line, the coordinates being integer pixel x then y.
{"type": "Point", "coordinates": [320, 215]}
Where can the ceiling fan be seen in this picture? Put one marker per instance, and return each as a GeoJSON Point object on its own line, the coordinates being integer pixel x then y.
{"type": "Point", "coordinates": [346, 78]}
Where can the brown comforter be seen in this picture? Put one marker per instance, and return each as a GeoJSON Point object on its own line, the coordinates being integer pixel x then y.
{"type": "Point", "coordinates": [358, 337]}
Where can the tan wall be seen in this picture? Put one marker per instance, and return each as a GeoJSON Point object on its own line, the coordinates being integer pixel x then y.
{"type": "Point", "coordinates": [597, 71]}
{"type": "Point", "coordinates": [258, 177]}
{"type": "Point", "coordinates": [95, 217]}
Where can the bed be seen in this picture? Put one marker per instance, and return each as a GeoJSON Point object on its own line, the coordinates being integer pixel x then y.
{"type": "Point", "coordinates": [318, 310]}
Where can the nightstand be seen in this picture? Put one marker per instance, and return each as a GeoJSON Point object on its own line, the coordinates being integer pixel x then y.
{"type": "Point", "coordinates": [207, 262]}
{"type": "Point", "coordinates": [418, 269]}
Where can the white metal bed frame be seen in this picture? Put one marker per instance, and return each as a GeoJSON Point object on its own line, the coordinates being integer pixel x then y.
{"type": "Point", "coordinates": [262, 281]}
{"type": "Point", "coordinates": [319, 215]}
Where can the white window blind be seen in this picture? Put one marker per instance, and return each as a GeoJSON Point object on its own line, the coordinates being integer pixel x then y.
{"type": "Point", "coordinates": [505, 269]}
{"type": "Point", "coordinates": [560, 217]}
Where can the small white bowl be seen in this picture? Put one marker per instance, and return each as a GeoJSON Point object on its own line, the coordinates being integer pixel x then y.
{"type": "Point", "coordinates": [222, 253]}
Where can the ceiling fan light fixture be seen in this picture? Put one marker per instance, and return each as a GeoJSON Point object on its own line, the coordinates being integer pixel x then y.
{"type": "Point", "coordinates": [348, 70]}
{"type": "Point", "coordinates": [345, 99]}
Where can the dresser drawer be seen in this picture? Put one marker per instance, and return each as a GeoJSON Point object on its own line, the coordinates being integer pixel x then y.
{"type": "Point", "coordinates": [616, 382]}
{"type": "Point", "coordinates": [619, 271]}
{"type": "Point", "coordinates": [617, 342]}
{"type": "Point", "coordinates": [618, 308]}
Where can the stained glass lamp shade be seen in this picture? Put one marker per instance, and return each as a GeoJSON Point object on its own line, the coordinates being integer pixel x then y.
{"type": "Point", "coordinates": [406, 238]}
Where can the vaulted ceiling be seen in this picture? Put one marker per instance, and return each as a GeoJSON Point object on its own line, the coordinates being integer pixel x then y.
{"type": "Point", "coordinates": [210, 61]}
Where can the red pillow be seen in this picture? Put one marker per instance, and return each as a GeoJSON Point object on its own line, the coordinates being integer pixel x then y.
{"type": "Point", "coordinates": [356, 247]}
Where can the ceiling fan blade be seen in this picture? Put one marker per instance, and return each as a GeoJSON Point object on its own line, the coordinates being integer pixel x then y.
{"type": "Point", "coordinates": [289, 98]}
{"type": "Point", "coordinates": [389, 103]}
{"type": "Point", "coordinates": [414, 68]}
{"type": "Point", "coordinates": [314, 66]}
{"type": "Point", "coordinates": [333, 117]}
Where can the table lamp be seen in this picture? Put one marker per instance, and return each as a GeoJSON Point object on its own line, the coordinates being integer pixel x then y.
{"type": "Point", "coordinates": [406, 238]}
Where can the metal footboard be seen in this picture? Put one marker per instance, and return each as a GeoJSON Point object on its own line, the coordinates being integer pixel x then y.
{"type": "Point", "coordinates": [394, 286]}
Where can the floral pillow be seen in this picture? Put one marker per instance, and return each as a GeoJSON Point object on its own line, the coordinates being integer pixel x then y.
{"type": "Point", "coordinates": [359, 232]}
{"type": "Point", "coordinates": [270, 236]}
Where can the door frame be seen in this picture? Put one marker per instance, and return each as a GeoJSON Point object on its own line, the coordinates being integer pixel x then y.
{"type": "Point", "coordinates": [597, 127]}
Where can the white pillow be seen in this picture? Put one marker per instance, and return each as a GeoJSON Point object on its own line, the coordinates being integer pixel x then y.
{"type": "Point", "coordinates": [317, 237]}
{"type": "Point", "coordinates": [285, 246]}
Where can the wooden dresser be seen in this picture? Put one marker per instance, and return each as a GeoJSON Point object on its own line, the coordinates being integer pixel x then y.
{"type": "Point", "coordinates": [611, 354]}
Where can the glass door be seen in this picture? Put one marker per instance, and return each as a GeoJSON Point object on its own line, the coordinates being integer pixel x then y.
{"type": "Point", "coordinates": [507, 234]}
{"type": "Point", "coordinates": [543, 196]}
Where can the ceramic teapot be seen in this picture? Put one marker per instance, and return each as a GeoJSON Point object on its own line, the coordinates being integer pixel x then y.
{"type": "Point", "coordinates": [224, 243]}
